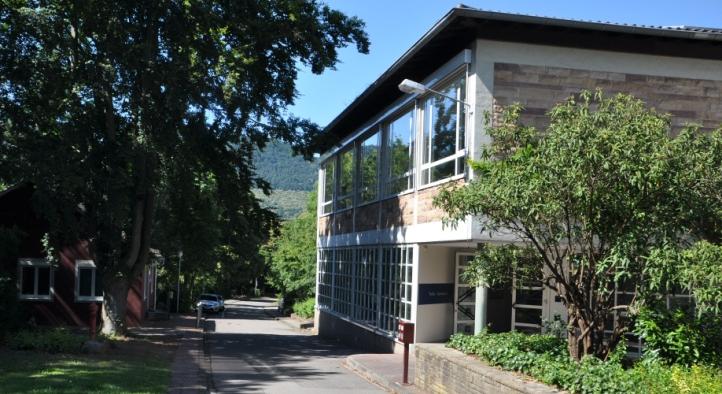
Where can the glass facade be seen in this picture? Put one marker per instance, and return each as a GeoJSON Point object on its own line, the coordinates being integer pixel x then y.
{"type": "Point", "coordinates": [369, 158]}
{"type": "Point", "coordinates": [327, 172]}
{"type": "Point", "coordinates": [345, 180]}
{"type": "Point", "coordinates": [444, 133]}
{"type": "Point", "coordinates": [400, 153]}
{"type": "Point", "coordinates": [384, 161]}
{"type": "Point", "coordinates": [370, 285]}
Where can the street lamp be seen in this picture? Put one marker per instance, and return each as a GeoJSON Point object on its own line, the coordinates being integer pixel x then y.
{"type": "Point", "coordinates": [413, 87]}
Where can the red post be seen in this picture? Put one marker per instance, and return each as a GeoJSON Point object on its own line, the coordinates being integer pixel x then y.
{"type": "Point", "coordinates": [406, 336]}
{"type": "Point", "coordinates": [406, 363]}
{"type": "Point", "coordinates": [93, 319]}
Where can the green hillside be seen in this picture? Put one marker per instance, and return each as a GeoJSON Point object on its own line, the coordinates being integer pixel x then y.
{"type": "Point", "coordinates": [277, 165]}
{"type": "Point", "coordinates": [291, 177]}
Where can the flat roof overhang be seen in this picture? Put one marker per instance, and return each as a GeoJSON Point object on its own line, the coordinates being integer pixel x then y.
{"type": "Point", "coordinates": [461, 26]}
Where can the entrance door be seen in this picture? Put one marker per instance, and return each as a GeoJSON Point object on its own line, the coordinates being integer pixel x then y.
{"type": "Point", "coordinates": [528, 307]}
{"type": "Point", "coordinates": [464, 297]}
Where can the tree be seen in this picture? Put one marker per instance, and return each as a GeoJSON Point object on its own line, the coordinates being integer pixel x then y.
{"type": "Point", "coordinates": [591, 202]}
{"type": "Point", "coordinates": [291, 255]}
{"type": "Point", "coordinates": [101, 102]}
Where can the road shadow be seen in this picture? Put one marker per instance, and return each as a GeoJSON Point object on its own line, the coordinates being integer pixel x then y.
{"type": "Point", "coordinates": [251, 362]}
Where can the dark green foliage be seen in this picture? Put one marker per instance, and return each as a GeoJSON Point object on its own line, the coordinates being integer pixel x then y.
{"type": "Point", "coordinates": [13, 314]}
{"type": "Point", "coordinates": [678, 337]}
{"type": "Point", "coordinates": [602, 197]}
{"type": "Point", "coordinates": [305, 309]}
{"type": "Point", "coordinates": [291, 256]}
{"type": "Point", "coordinates": [55, 340]}
{"type": "Point", "coordinates": [278, 165]}
{"type": "Point", "coordinates": [545, 358]}
{"type": "Point", "coordinates": [122, 106]}
{"type": "Point", "coordinates": [287, 204]}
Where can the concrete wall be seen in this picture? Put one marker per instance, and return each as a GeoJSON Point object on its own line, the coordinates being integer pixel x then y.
{"type": "Point", "coordinates": [443, 370]}
{"type": "Point", "coordinates": [435, 322]}
{"type": "Point", "coordinates": [333, 327]}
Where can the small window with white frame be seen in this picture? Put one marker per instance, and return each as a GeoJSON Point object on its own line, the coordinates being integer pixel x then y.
{"type": "Point", "coordinates": [88, 287]}
{"type": "Point", "coordinates": [444, 132]}
{"type": "Point", "coordinates": [327, 174]}
{"type": "Point", "coordinates": [35, 279]}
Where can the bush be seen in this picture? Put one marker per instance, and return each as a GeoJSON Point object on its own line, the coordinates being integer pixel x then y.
{"type": "Point", "coordinates": [545, 358]}
{"type": "Point", "coordinates": [13, 315]}
{"type": "Point", "coordinates": [56, 340]}
{"type": "Point", "coordinates": [675, 337]}
{"type": "Point", "coordinates": [305, 309]}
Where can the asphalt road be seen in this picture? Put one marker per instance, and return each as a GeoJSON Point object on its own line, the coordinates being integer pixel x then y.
{"type": "Point", "coordinates": [251, 352]}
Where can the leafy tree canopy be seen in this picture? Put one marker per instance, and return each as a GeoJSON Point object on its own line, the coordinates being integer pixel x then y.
{"type": "Point", "coordinates": [604, 198]}
{"type": "Point", "coordinates": [291, 255]}
{"type": "Point", "coordinates": [103, 104]}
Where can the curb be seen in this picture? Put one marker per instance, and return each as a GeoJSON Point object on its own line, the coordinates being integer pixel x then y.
{"type": "Point", "coordinates": [297, 324]}
{"type": "Point", "coordinates": [392, 387]}
{"type": "Point", "coordinates": [207, 366]}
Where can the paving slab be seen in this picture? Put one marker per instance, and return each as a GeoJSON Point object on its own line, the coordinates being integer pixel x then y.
{"type": "Point", "coordinates": [385, 370]}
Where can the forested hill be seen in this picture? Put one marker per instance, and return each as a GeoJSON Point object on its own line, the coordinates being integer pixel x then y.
{"type": "Point", "coordinates": [277, 165]}
{"type": "Point", "coordinates": [291, 177]}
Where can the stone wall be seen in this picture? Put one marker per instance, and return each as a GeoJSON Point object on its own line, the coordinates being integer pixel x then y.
{"type": "Point", "coordinates": [397, 211]}
{"type": "Point", "coordinates": [538, 88]}
{"type": "Point", "coordinates": [443, 370]}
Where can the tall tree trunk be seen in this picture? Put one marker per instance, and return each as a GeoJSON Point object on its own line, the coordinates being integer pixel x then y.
{"type": "Point", "coordinates": [116, 284]}
{"type": "Point", "coordinates": [115, 302]}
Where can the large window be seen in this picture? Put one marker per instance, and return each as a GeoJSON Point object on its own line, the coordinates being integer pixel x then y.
{"type": "Point", "coordinates": [88, 287]}
{"type": "Point", "coordinates": [370, 285]}
{"type": "Point", "coordinates": [327, 172]}
{"type": "Point", "coordinates": [368, 168]}
{"type": "Point", "coordinates": [365, 284]}
{"type": "Point", "coordinates": [345, 181]}
{"type": "Point", "coordinates": [400, 153]}
{"type": "Point", "coordinates": [444, 133]}
{"type": "Point", "coordinates": [363, 171]}
{"type": "Point", "coordinates": [343, 280]}
{"type": "Point", "coordinates": [325, 278]}
{"type": "Point", "coordinates": [35, 279]}
{"type": "Point", "coordinates": [396, 287]}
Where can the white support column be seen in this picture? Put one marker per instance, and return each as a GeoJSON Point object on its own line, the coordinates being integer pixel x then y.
{"type": "Point", "coordinates": [482, 295]}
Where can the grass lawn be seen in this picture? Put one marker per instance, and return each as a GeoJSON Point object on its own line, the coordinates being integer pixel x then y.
{"type": "Point", "coordinates": [36, 372]}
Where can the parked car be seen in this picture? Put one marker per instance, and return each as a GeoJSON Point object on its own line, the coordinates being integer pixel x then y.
{"type": "Point", "coordinates": [211, 303]}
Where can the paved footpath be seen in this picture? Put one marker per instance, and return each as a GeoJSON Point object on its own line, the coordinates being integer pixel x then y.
{"type": "Point", "coordinates": [252, 352]}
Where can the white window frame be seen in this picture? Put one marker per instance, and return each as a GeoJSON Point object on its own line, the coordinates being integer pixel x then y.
{"type": "Point", "coordinates": [337, 173]}
{"type": "Point", "coordinates": [461, 114]}
{"type": "Point", "coordinates": [35, 263]}
{"type": "Point", "coordinates": [94, 297]}
{"type": "Point", "coordinates": [327, 201]}
{"type": "Point", "coordinates": [385, 171]}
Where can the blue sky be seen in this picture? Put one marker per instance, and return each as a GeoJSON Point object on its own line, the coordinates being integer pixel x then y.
{"type": "Point", "coordinates": [394, 25]}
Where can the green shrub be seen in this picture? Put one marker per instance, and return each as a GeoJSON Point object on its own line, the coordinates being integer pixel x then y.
{"type": "Point", "coordinates": [14, 316]}
{"type": "Point", "coordinates": [305, 309]}
{"type": "Point", "coordinates": [544, 357]}
{"type": "Point", "coordinates": [675, 337]}
{"type": "Point", "coordinates": [56, 340]}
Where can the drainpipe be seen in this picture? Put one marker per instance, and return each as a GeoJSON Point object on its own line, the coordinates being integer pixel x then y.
{"type": "Point", "coordinates": [482, 295]}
